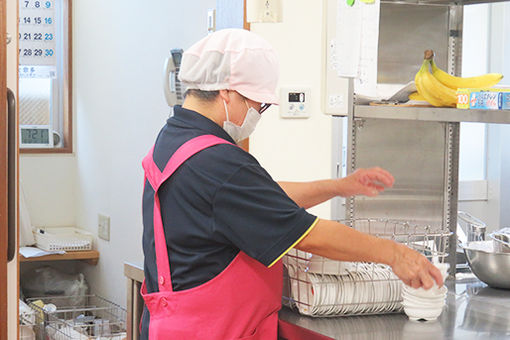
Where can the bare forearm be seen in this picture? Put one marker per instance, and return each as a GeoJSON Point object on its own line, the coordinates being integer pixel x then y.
{"type": "Point", "coordinates": [309, 194]}
{"type": "Point", "coordinates": [339, 242]}
{"type": "Point", "coordinates": [367, 182]}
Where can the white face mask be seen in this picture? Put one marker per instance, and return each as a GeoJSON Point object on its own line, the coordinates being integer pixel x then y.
{"type": "Point", "coordinates": [238, 133]}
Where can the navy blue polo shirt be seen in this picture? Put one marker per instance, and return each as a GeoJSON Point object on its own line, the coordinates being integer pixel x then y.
{"type": "Point", "coordinates": [217, 203]}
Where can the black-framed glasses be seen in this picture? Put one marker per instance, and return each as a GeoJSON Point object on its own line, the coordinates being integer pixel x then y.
{"type": "Point", "coordinates": [264, 107]}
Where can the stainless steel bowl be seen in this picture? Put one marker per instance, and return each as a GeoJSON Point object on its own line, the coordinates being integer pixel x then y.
{"type": "Point", "coordinates": [501, 242]}
{"type": "Point", "coordinates": [491, 267]}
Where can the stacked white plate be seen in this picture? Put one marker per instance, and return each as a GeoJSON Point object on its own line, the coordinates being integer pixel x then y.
{"type": "Point", "coordinates": [421, 304]}
{"type": "Point", "coordinates": [371, 289]}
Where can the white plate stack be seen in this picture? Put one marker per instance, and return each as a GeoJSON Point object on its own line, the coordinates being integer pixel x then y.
{"type": "Point", "coordinates": [421, 304]}
{"type": "Point", "coordinates": [371, 289]}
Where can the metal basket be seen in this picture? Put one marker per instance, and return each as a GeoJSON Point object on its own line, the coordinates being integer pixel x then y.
{"type": "Point", "coordinates": [62, 318]}
{"type": "Point", "coordinates": [318, 286]}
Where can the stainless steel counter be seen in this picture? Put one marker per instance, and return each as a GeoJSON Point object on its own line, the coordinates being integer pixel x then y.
{"type": "Point", "coordinates": [473, 311]}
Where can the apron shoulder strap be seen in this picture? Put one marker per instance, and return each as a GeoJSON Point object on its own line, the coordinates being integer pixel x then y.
{"type": "Point", "coordinates": [156, 178]}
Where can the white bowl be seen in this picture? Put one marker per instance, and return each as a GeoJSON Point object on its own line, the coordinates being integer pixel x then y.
{"type": "Point", "coordinates": [422, 313]}
{"type": "Point", "coordinates": [425, 294]}
{"type": "Point", "coordinates": [424, 297]}
{"type": "Point", "coordinates": [413, 304]}
{"type": "Point", "coordinates": [437, 302]}
{"type": "Point", "coordinates": [432, 292]}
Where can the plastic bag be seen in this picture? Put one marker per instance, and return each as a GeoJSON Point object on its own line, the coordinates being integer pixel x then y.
{"type": "Point", "coordinates": [48, 281]}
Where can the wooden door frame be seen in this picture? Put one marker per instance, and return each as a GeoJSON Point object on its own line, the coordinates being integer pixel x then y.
{"type": "Point", "coordinates": [9, 271]}
{"type": "Point", "coordinates": [3, 170]}
{"type": "Point", "coordinates": [246, 24]}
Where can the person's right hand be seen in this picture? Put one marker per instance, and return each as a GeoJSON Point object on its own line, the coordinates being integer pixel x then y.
{"type": "Point", "coordinates": [414, 269]}
{"type": "Point", "coordinates": [368, 182]}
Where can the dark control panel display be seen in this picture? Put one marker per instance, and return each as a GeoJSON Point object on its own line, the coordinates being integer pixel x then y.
{"type": "Point", "coordinates": [296, 97]}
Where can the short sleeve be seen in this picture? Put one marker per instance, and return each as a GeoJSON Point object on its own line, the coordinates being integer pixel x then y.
{"type": "Point", "coordinates": [256, 215]}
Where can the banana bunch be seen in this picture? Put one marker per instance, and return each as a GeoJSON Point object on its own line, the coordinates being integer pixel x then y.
{"type": "Point", "coordinates": [417, 96]}
{"type": "Point", "coordinates": [440, 88]}
{"type": "Point", "coordinates": [434, 92]}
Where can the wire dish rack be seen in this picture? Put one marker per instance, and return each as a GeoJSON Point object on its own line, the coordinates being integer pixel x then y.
{"type": "Point", "coordinates": [317, 286]}
{"type": "Point", "coordinates": [61, 318]}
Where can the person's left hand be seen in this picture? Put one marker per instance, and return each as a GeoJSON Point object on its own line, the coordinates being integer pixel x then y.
{"type": "Point", "coordinates": [368, 182]}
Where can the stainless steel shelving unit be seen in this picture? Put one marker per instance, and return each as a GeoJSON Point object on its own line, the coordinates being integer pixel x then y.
{"type": "Point", "coordinates": [419, 145]}
{"type": "Point", "coordinates": [432, 114]}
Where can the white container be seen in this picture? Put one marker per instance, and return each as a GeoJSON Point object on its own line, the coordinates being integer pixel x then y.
{"type": "Point", "coordinates": [63, 238]}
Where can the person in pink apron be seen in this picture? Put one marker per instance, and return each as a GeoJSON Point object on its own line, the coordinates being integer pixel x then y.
{"type": "Point", "coordinates": [216, 225]}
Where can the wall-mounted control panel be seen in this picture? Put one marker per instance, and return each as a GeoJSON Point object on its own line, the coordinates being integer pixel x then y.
{"type": "Point", "coordinates": [295, 102]}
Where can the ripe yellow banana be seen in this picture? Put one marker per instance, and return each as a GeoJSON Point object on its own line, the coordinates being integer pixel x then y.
{"type": "Point", "coordinates": [486, 80]}
{"type": "Point", "coordinates": [432, 89]}
{"type": "Point", "coordinates": [417, 96]}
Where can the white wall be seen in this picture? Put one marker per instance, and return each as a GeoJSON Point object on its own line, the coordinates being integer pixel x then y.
{"type": "Point", "coordinates": [119, 50]}
{"type": "Point", "coordinates": [296, 149]}
{"type": "Point", "coordinates": [48, 182]}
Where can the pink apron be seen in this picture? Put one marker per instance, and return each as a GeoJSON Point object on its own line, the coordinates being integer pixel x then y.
{"type": "Point", "coordinates": [242, 302]}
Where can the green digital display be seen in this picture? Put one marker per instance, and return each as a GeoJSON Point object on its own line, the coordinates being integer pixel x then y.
{"type": "Point", "coordinates": [35, 136]}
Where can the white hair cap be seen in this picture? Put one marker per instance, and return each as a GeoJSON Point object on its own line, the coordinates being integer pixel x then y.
{"type": "Point", "coordinates": [232, 59]}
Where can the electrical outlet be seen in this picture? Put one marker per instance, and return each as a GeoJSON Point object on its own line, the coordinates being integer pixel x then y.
{"type": "Point", "coordinates": [103, 227]}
